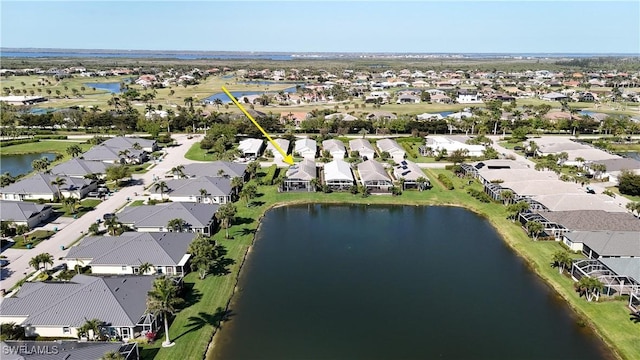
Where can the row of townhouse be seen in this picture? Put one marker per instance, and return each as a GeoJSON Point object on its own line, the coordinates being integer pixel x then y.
{"type": "Point", "coordinates": [594, 224]}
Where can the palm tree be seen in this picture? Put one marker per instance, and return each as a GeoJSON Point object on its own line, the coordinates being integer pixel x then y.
{"type": "Point", "coordinates": [421, 181]}
{"type": "Point", "coordinates": [634, 207]}
{"type": "Point", "coordinates": [188, 102]}
{"type": "Point", "coordinates": [178, 171]}
{"type": "Point", "coordinates": [562, 260]}
{"type": "Point", "coordinates": [74, 150]}
{"type": "Point", "coordinates": [507, 196]}
{"type": "Point", "coordinates": [124, 153]}
{"type": "Point", "coordinates": [534, 228]}
{"type": "Point", "coordinates": [236, 184]}
{"type": "Point", "coordinates": [163, 298]}
{"type": "Point", "coordinates": [363, 132]}
{"type": "Point", "coordinates": [112, 355]}
{"type": "Point", "coordinates": [112, 225]}
{"type": "Point", "coordinates": [589, 287]}
{"type": "Point", "coordinates": [34, 262]}
{"type": "Point", "coordinates": [176, 225]}
{"type": "Point", "coordinates": [93, 325]}
{"type": "Point", "coordinates": [217, 103]}
{"type": "Point", "coordinates": [136, 146]}
{"type": "Point", "coordinates": [252, 169]}
{"type": "Point", "coordinates": [203, 194]}
{"type": "Point", "coordinates": [162, 187]}
{"type": "Point", "coordinates": [71, 203]}
{"type": "Point", "coordinates": [59, 181]}
{"type": "Point", "coordinates": [22, 229]}
{"type": "Point", "coordinates": [226, 214]}
{"type": "Point", "coordinates": [145, 268]}
{"type": "Point", "coordinates": [248, 193]}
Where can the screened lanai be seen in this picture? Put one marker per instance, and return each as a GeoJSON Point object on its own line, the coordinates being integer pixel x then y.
{"type": "Point", "coordinates": [614, 284]}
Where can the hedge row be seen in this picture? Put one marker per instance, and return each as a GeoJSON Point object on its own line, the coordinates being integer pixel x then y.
{"type": "Point", "coordinates": [18, 142]}
{"type": "Point", "coordinates": [444, 179]}
{"type": "Point", "coordinates": [271, 174]}
{"type": "Point", "coordinates": [52, 137]}
{"type": "Point", "coordinates": [480, 195]}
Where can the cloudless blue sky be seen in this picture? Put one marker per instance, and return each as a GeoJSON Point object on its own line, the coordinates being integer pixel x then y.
{"type": "Point", "coordinates": [325, 26]}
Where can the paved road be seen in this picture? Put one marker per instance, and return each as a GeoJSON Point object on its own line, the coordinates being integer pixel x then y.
{"type": "Point", "coordinates": [73, 230]}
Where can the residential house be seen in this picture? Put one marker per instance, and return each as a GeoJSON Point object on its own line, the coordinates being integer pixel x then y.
{"type": "Point", "coordinates": [123, 254]}
{"type": "Point", "coordinates": [39, 186]}
{"type": "Point", "coordinates": [131, 143]}
{"type": "Point", "coordinates": [392, 147]}
{"type": "Point", "coordinates": [114, 156]}
{"type": "Point", "coordinates": [340, 117]}
{"type": "Point", "coordinates": [363, 147]}
{"type": "Point", "coordinates": [58, 309]}
{"type": "Point", "coordinates": [67, 350]}
{"type": "Point", "coordinates": [410, 172]}
{"type": "Point", "coordinates": [215, 169]}
{"type": "Point", "coordinates": [198, 217]}
{"type": "Point", "coordinates": [554, 96]}
{"type": "Point", "coordinates": [614, 167]}
{"type": "Point", "coordinates": [306, 148]}
{"type": "Point", "coordinates": [251, 148]}
{"type": "Point", "coordinates": [299, 176]}
{"type": "Point", "coordinates": [438, 144]}
{"type": "Point", "coordinates": [374, 177]}
{"type": "Point", "coordinates": [79, 168]}
{"type": "Point", "coordinates": [335, 148]}
{"type": "Point", "coordinates": [284, 145]}
{"type": "Point", "coordinates": [468, 97]}
{"type": "Point", "coordinates": [381, 115]}
{"type": "Point", "coordinates": [218, 190]}
{"type": "Point", "coordinates": [337, 175]}
{"type": "Point", "coordinates": [24, 213]}
{"type": "Point", "coordinates": [604, 244]}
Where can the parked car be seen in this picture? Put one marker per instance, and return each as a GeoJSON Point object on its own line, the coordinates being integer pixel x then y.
{"type": "Point", "coordinates": [4, 262]}
{"type": "Point", "coordinates": [108, 216]}
{"type": "Point", "coordinates": [93, 194]}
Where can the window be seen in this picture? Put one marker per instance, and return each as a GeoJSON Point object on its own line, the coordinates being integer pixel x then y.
{"type": "Point", "coordinates": [66, 330]}
{"type": "Point", "coordinates": [136, 270]}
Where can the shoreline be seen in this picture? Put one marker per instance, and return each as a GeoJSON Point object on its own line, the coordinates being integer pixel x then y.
{"type": "Point", "coordinates": [575, 312]}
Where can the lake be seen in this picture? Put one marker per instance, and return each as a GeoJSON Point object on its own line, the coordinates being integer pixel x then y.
{"type": "Point", "coordinates": [21, 163]}
{"type": "Point", "coordinates": [393, 282]}
{"type": "Point", "coordinates": [239, 94]}
{"type": "Point", "coordinates": [112, 87]}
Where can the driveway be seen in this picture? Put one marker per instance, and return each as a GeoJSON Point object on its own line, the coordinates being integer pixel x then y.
{"type": "Point", "coordinates": [71, 231]}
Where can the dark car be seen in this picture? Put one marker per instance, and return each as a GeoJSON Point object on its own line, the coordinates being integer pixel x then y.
{"type": "Point", "coordinates": [108, 216]}
{"type": "Point", "coordinates": [4, 262]}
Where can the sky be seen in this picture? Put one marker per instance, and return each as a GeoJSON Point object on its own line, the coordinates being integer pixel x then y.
{"type": "Point", "coordinates": [326, 26]}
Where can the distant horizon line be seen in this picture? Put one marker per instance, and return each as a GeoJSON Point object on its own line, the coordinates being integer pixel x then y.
{"type": "Point", "coordinates": [36, 49]}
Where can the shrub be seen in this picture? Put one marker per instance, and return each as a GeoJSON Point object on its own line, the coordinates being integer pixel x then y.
{"type": "Point", "coordinates": [446, 182]}
{"type": "Point", "coordinates": [52, 137]}
{"type": "Point", "coordinates": [480, 195]}
{"type": "Point", "coordinates": [271, 174]}
{"type": "Point", "coordinates": [18, 142]}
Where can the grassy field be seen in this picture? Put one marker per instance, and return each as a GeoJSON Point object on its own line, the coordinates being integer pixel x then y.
{"type": "Point", "coordinates": [625, 147]}
{"type": "Point", "coordinates": [615, 190]}
{"type": "Point", "coordinates": [33, 239]}
{"type": "Point", "coordinates": [55, 146]}
{"type": "Point", "coordinates": [86, 205]}
{"type": "Point", "coordinates": [193, 326]}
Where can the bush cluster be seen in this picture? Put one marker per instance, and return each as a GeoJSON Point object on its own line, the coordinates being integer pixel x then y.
{"type": "Point", "coordinates": [446, 181]}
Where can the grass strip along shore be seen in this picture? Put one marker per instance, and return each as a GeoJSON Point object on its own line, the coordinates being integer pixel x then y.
{"type": "Point", "coordinates": [194, 325]}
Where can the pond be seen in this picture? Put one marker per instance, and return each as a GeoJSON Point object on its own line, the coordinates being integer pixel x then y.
{"type": "Point", "coordinates": [21, 163]}
{"type": "Point", "coordinates": [393, 282]}
{"type": "Point", "coordinates": [112, 87]}
{"type": "Point", "coordinates": [239, 94]}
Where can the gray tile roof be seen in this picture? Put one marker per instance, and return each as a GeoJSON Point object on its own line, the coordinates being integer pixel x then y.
{"type": "Point", "coordinates": [624, 266]}
{"type": "Point", "coordinates": [215, 186]}
{"type": "Point", "coordinates": [105, 153]}
{"type": "Point", "coordinates": [609, 243]}
{"type": "Point", "coordinates": [211, 169]}
{"type": "Point", "coordinates": [337, 170]}
{"type": "Point", "coordinates": [372, 170]}
{"type": "Point", "coordinates": [80, 167]}
{"type": "Point", "coordinates": [58, 350]}
{"type": "Point", "coordinates": [195, 214]}
{"type": "Point", "coordinates": [118, 300]}
{"type": "Point", "coordinates": [620, 164]}
{"type": "Point", "coordinates": [40, 183]}
{"type": "Point", "coordinates": [593, 220]}
{"type": "Point", "coordinates": [408, 170]}
{"type": "Point", "coordinates": [389, 145]}
{"type": "Point", "coordinates": [20, 210]}
{"type": "Point", "coordinates": [133, 248]}
{"type": "Point", "coordinates": [122, 142]}
{"type": "Point", "coordinates": [332, 145]}
{"type": "Point", "coordinates": [304, 170]}
{"type": "Point", "coordinates": [361, 145]}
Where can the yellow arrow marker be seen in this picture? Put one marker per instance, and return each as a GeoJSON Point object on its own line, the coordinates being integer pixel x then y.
{"type": "Point", "coordinates": [287, 158]}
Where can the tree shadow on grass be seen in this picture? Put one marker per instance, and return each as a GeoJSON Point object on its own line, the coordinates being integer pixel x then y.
{"type": "Point", "coordinates": [148, 353]}
{"type": "Point", "coordinates": [245, 232]}
{"type": "Point", "coordinates": [635, 317]}
{"type": "Point", "coordinates": [256, 203]}
{"type": "Point", "coordinates": [190, 295]}
{"type": "Point", "coordinates": [202, 319]}
{"type": "Point", "coordinates": [243, 221]}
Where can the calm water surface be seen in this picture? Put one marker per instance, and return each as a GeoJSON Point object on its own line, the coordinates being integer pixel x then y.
{"type": "Point", "coordinates": [239, 94]}
{"type": "Point", "coordinates": [21, 164]}
{"type": "Point", "coordinates": [112, 87]}
{"type": "Point", "coordinates": [358, 282]}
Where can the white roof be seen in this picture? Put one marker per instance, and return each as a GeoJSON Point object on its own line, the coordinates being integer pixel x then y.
{"type": "Point", "coordinates": [372, 170]}
{"type": "Point", "coordinates": [305, 145]}
{"type": "Point", "coordinates": [332, 145]}
{"type": "Point", "coordinates": [284, 144]}
{"type": "Point", "coordinates": [390, 146]}
{"type": "Point", "coordinates": [337, 170]}
{"type": "Point", "coordinates": [360, 145]}
{"type": "Point", "coordinates": [250, 145]}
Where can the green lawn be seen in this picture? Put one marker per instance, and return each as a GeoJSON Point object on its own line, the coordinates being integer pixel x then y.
{"type": "Point", "coordinates": [137, 203]}
{"type": "Point", "coordinates": [615, 190]}
{"type": "Point", "coordinates": [193, 326]}
{"type": "Point", "coordinates": [195, 153]}
{"type": "Point", "coordinates": [56, 146]}
{"type": "Point", "coordinates": [86, 205]}
{"type": "Point", "coordinates": [33, 238]}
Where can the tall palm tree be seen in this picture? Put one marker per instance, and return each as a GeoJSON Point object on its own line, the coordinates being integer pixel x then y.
{"type": "Point", "coordinates": [422, 181]}
{"type": "Point", "coordinates": [34, 262]}
{"type": "Point", "coordinates": [74, 150]}
{"type": "Point", "coordinates": [178, 171]}
{"type": "Point", "coordinates": [589, 287]}
{"type": "Point", "coordinates": [562, 260]}
{"type": "Point", "coordinates": [507, 196]}
{"type": "Point", "coordinates": [72, 204]}
{"type": "Point", "coordinates": [145, 268]}
{"type": "Point", "coordinates": [177, 225]}
{"type": "Point", "coordinates": [534, 228]}
{"type": "Point", "coordinates": [112, 225]}
{"type": "Point", "coordinates": [226, 214]}
{"type": "Point", "coordinates": [203, 194]}
{"type": "Point", "coordinates": [124, 153]}
{"type": "Point", "coordinates": [161, 186]}
{"type": "Point", "coordinates": [163, 298]}
{"type": "Point", "coordinates": [93, 325]}
{"type": "Point", "coordinates": [236, 184]}
{"type": "Point", "coordinates": [248, 193]}
{"type": "Point", "coordinates": [59, 181]}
